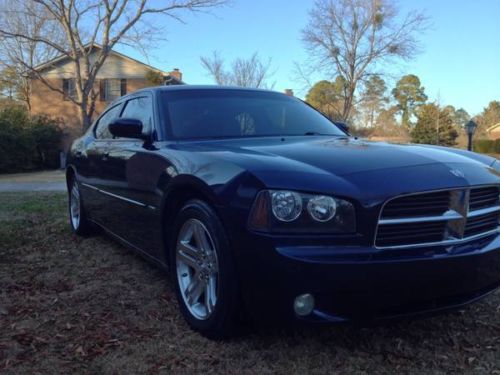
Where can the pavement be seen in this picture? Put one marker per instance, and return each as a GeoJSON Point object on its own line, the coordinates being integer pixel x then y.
{"type": "Point", "coordinates": [33, 181]}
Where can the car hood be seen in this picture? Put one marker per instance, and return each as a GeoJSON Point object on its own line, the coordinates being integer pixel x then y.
{"type": "Point", "coordinates": [352, 162]}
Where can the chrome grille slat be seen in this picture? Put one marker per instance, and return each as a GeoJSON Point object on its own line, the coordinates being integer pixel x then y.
{"type": "Point", "coordinates": [434, 218]}
{"type": "Point", "coordinates": [448, 215]}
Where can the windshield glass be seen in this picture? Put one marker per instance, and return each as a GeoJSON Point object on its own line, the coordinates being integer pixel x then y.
{"type": "Point", "coordinates": [219, 113]}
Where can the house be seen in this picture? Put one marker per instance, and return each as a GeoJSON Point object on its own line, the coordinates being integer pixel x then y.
{"type": "Point", "coordinates": [494, 131]}
{"type": "Point", "coordinates": [119, 75]}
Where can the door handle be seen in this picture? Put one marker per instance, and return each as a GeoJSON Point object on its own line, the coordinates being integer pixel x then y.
{"type": "Point", "coordinates": [105, 156]}
{"type": "Point", "coordinates": [78, 154]}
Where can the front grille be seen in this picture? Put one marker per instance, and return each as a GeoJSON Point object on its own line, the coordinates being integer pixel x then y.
{"type": "Point", "coordinates": [418, 205]}
{"type": "Point", "coordinates": [481, 224]}
{"type": "Point", "coordinates": [449, 216]}
{"type": "Point", "coordinates": [406, 234]}
{"type": "Point", "coordinates": [483, 198]}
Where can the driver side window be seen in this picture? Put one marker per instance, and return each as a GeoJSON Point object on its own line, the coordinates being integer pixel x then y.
{"type": "Point", "coordinates": [140, 109]}
{"type": "Point", "coordinates": [102, 127]}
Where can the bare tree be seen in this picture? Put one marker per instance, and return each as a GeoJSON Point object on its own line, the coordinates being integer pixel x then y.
{"type": "Point", "coordinates": [28, 18]}
{"type": "Point", "coordinates": [106, 22]}
{"type": "Point", "coordinates": [251, 72]}
{"type": "Point", "coordinates": [352, 38]}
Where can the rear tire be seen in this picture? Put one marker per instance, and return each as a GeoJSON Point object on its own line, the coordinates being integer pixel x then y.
{"type": "Point", "coordinates": [77, 216]}
{"type": "Point", "coordinates": [204, 273]}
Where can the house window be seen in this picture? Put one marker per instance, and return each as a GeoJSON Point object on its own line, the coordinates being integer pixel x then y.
{"type": "Point", "coordinates": [111, 89]}
{"type": "Point", "coordinates": [69, 88]}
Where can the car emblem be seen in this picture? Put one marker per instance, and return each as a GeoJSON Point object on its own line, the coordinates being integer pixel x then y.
{"type": "Point", "coordinates": [457, 173]}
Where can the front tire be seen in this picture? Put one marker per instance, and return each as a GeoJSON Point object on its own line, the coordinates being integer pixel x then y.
{"type": "Point", "coordinates": [203, 272]}
{"type": "Point", "coordinates": [77, 216]}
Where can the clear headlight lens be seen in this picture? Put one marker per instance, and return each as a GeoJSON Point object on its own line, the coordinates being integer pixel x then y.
{"type": "Point", "coordinates": [322, 208]}
{"type": "Point", "coordinates": [284, 211]}
{"type": "Point", "coordinates": [286, 205]}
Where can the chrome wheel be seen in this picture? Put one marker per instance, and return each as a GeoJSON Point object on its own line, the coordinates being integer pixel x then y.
{"type": "Point", "coordinates": [74, 206]}
{"type": "Point", "coordinates": [197, 269]}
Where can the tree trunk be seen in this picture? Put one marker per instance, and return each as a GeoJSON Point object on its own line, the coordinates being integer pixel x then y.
{"type": "Point", "coordinates": [405, 118]}
{"type": "Point", "coordinates": [348, 103]}
{"type": "Point", "coordinates": [85, 118]}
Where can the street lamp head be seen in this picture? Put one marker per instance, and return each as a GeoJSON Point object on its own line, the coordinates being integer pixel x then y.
{"type": "Point", "coordinates": [470, 127]}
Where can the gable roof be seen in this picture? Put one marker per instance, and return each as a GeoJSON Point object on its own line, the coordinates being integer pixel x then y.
{"type": "Point", "coordinates": [58, 59]}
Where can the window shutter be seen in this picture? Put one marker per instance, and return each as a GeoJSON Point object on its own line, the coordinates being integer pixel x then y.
{"type": "Point", "coordinates": [102, 90]}
{"type": "Point", "coordinates": [123, 86]}
{"type": "Point", "coordinates": [65, 88]}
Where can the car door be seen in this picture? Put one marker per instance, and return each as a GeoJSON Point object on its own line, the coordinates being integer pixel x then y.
{"type": "Point", "coordinates": [132, 181]}
{"type": "Point", "coordinates": [97, 153]}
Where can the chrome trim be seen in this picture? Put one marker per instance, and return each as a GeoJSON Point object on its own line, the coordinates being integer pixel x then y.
{"type": "Point", "coordinates": [444, 242]}
{"type": "Point", "coordinates": [448, 215]}
{"type": "Point", "coordinates": [137, 203]}
{"type": "Point", "coordinates": [122, 198]}
{"type": "Point", "coordinates": [456, 217]}
{"type": "Point", "coordinates": [484, 211]}
{"type": "Point", "coordinates": [89, 186]}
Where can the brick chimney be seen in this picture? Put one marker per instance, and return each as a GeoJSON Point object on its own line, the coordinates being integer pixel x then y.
{"type": "Point", "coordinates": [176, 73]}
{"type": "Point", "coordinates": [289, 92]}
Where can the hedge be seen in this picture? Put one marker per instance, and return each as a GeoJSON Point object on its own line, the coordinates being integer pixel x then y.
{"type": "Point", "coordinates": [28, 143]}
{"type": "Point", "coordinates": [487, 146]}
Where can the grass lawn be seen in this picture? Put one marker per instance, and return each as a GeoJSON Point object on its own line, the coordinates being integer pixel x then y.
{"type": "Point", "coordinates": [73, 305]}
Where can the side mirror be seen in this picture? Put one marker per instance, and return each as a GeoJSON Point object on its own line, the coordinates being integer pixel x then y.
{"type": "Point", "coordinates": [127, 128]}
{"type": "Point", "coordinates": [343, 126]}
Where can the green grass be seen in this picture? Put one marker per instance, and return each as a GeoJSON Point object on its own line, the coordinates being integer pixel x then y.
{"type": "Point", "coordinates": [28, 210]}
{"type": "Point", "coordinates": [74, 305]}
{"type": "Point", "coordinates": [51, 204]}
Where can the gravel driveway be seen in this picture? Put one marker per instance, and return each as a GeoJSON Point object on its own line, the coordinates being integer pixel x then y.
{"type": "Point", "coordinates": [33, 181]}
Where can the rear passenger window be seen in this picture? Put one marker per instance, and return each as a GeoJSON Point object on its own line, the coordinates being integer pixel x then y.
{"type": "Point", "coordinates": [140, 109]}
{"type": "Point", "coordinates": [102, 127]}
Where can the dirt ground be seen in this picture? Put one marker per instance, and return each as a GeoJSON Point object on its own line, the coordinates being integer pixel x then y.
{"type": "Point", "coordinates": [89, 306]}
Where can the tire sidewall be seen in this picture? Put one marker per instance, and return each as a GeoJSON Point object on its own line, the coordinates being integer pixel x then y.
{"type": "Point", "coordinates": [227, 290]}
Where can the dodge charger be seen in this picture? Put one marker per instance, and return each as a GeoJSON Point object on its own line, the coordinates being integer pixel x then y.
{"type": "Point", "coordinates": [262, 209]}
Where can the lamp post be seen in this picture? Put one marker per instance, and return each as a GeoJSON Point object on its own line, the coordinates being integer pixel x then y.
{"type": "Point", "coordinates": [470, 128]}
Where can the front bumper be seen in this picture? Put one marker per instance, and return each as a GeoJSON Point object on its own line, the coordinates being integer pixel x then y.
{"type": "Point", "coordinates": [363, 283]}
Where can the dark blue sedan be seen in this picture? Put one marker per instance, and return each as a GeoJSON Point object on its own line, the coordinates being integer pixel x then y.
{"type": "Point", "coordinates": [264, 210]}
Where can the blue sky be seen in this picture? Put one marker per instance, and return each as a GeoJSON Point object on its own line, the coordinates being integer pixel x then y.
{"type": "Point", "coordinates": [459, 63]}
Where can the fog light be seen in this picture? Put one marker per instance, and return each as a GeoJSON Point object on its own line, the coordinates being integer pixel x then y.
{"type": "Point", "coordinates": [303, 304]}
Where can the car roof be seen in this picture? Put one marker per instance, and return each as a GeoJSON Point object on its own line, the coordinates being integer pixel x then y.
{"type": "Point", "coordinates": [202, 87]}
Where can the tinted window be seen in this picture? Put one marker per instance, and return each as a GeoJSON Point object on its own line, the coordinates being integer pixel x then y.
{"type": "Point", "coordinates": [240, 113]}
{"type": "Point", "coordinates": [102, 130]}
{"type": "Point", "coordinates": [140, 109]}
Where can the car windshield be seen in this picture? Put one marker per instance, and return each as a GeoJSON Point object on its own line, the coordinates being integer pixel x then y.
{"type": "Point", "coordinates": [219, 113]}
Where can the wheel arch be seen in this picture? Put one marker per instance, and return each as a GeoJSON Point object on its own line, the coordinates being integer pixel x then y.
{"type": "Point", "coordinates": [70, 174]}
{"type": "Point", "coordinates": [177, 193]}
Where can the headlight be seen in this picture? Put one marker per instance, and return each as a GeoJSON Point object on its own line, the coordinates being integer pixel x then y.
{"type": "Point", "coordinates": [286, 205]}
{"type": "Point", "coordinates": [284, 211]}
{"type": "Point", "coordinates": [322, 208]}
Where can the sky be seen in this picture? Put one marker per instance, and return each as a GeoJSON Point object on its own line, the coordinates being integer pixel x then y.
{"type": "Point", "coordinates": [459, 64]}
